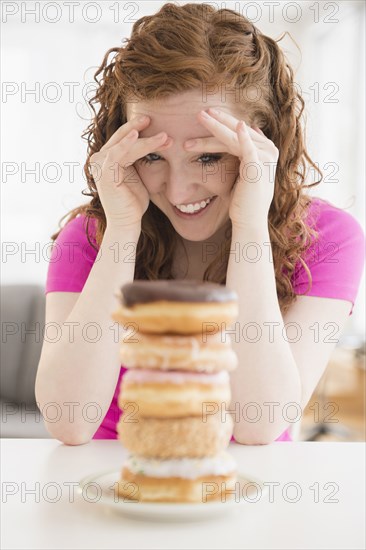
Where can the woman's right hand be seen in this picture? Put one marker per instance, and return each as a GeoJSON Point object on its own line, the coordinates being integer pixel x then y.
{"type": "Point", "coordinates": [123, 195]}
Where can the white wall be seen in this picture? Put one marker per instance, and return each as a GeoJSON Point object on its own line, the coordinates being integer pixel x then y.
{"type": "Point", "coordinates": [36, 129]}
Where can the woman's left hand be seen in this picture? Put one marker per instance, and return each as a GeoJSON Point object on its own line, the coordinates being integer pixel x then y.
{"type": "Point", "coordinates": [253, 189]}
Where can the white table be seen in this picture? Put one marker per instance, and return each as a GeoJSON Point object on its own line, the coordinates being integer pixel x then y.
{"type": "Point", "coordinates": [280, 524]}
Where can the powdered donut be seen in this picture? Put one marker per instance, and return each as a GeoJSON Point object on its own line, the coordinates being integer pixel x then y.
{"type": "Point", "coordinates": [176, 306]}
{"type": "Point", "coordinates": [173, 394]}
{"type": "Point", "coordinates": [177, 480]}
{"type": "Point", "coordinates": [195, 352]}
{"type": "Point", "coordinates": [190, 437]}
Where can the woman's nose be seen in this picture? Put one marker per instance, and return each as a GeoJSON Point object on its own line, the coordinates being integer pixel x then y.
{"type": "Point", "coordinates": [178, 190]}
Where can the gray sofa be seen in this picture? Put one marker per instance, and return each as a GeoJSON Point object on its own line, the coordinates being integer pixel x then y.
{"type": "Point", "coordinates": [22, 322]}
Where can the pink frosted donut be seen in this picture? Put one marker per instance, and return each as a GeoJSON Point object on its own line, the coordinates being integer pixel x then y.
{"type": "Point", "coordinates": [147, 376]}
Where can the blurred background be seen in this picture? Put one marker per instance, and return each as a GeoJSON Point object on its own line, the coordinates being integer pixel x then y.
{"type": "Point", "coordinates": [50, 52]}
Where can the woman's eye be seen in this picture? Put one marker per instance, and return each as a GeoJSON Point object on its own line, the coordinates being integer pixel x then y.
{"type": "Point", "coordinates": [146, 159]}
{"type": "Point", "coordinates": [210, 159]}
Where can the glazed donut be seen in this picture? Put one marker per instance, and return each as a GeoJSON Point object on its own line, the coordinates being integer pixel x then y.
{"type": "Point", "coordinates": [173, 394]}
{"type": "Point", "coordinates": [178, 480]}
{"type": "Point", "coordinates": [193, 352]}
{"type": "Point", "coordinates": [190, 437]}
{"type": "Point", "coordinates": [176, 306]}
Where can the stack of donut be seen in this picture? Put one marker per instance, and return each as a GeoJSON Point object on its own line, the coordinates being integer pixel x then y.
{"type": "Point", "coordinates": [178, 385]}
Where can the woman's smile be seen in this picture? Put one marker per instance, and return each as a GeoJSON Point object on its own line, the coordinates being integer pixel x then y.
{"type": "Point", "coordinates": [194, 210]}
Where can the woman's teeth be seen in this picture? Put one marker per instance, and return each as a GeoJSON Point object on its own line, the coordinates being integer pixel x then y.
{"type": "Point", "coordinates": [193, 207]}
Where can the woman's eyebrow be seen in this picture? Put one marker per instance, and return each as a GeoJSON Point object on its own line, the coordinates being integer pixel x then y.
{"type": "Point", "coordinates": [194, 153]}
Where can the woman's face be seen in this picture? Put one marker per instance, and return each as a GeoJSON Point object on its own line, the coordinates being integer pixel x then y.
{"type": "Point", "coordinates": [183, 178]}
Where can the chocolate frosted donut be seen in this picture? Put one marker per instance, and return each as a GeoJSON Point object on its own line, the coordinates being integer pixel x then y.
{"type": "Point", "coordinates": [177, 306]}
{"type": "Point", "coordinates": [179, 290]}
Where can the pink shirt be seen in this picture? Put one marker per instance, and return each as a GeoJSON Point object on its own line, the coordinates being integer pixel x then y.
{"type": "Point", "coordinates": [335, 261]}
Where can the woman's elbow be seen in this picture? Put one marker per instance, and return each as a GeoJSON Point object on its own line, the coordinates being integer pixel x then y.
{"type": "Point", "coordinates": [68, 437]}
{"type": "Point", "coordinates": [253, 441]}
{"type": "Point", "coordinates": [254, 438]}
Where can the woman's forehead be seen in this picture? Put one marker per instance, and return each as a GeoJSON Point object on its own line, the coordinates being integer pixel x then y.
{"type": "Point", "coordinates": [176, 125]}
{"type": "Point", "coordinates": [178, 117]}
{"type": "Point", "coordinates": [183, 105]}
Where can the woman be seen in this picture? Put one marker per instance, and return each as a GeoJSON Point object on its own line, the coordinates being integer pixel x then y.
{"type": "Point", "coordinates": [229, 207]}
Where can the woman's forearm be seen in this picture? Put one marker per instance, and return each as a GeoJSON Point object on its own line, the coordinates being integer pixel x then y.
{"type": "Point", "coordinates": [267, 379]}
{"type": "Point", "coordinates": [83, 366]}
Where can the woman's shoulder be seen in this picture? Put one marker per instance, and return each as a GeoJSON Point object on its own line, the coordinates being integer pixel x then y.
{"type": "Point", "coordinates": [72, 243]}
{"type": "Point", "coordinates": [340, 235]}
{"type": "Point", "coordinates": [77, 229]}
{"type": "Point", "coordinates": [72, 257]}
{"type": "Point", "coordinates": [336, 257]}
{"type": "Point", "coordinates": [79, 222]}
{"type": "Point", "coordinates": [329, 220]}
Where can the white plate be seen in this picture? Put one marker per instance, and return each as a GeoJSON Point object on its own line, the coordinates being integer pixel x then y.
{"type": "Point", "coordinates": [101, 488]}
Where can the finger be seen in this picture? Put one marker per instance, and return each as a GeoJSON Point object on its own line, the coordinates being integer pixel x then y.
{"type": "Point", "coordinates": [124, 130]}
{"type": "Point", "coordinates": [248, 149]}
{"type": "Point", "coordinates": [130, 149]}
{"type": "Point", "coordinates": [222, 132]}
{"type": "Point", "coordinates": [259, 130]}
{"type": "Point", "coordinates": [206, 145]}
{"type": "Point", "coordinates": [224, 137]}
{"type": "Point", "coordinates": [231, 122]}
{"type": "Point", "coordinates": [213, 145]}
